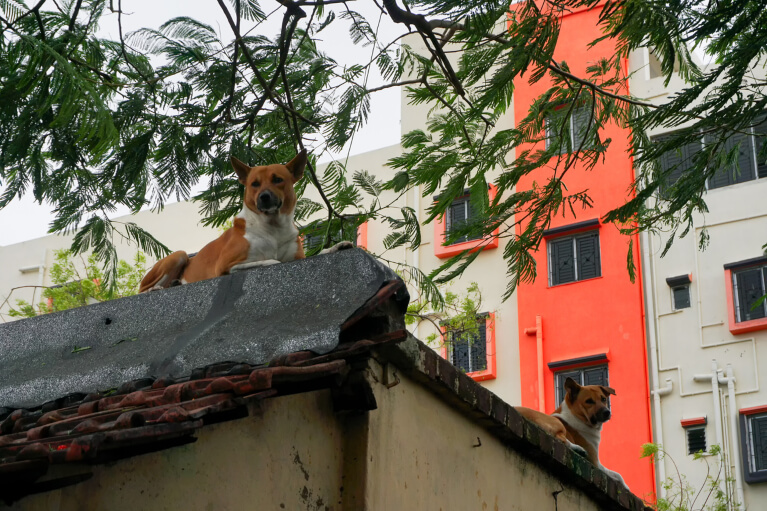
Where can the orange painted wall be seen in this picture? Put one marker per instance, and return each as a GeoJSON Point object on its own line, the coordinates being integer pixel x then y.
{"type": "Point", "coordinates": [601, 315]}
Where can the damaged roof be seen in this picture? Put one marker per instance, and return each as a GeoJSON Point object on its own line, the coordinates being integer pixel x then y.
{"type": "Point", "coordinates": [171, 362]}
{"type": "Point", "coordinates": [250, 317]}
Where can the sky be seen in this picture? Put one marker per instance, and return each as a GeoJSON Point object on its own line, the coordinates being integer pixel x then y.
{"type": "Point", "coordinates": [25, 219]}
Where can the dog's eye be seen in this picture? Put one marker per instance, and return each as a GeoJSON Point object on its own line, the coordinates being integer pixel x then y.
{"type": "Point", "coordinates": [277, 179]}
{"type": "Point", "coordinates": [255, 184]}
{"type": "Point", "coordinates": [604, 399]}
{"type": "Point", "coordinates": [590, 401]}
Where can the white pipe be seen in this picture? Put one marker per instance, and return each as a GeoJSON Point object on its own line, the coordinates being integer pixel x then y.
{"type": "Point", "coordinates": [651, 325]}
{"type": "Point", "coordinates": [714, 379]}
{"type": "Point", "coordinates": [734, 443]}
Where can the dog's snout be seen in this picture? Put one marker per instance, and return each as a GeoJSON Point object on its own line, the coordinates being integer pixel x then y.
{"type": "Point", "coordinates": [604, 414]}
{"type": "Point", "coordinates": [267, 199]}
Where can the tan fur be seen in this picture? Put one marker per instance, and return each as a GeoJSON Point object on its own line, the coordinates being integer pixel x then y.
{"type": "Point", "coordinates": [576, 397]}
{"type": "Point", "coordinates": [231, 248]}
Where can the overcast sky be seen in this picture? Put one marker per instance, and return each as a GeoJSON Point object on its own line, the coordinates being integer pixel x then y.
{"type": "Point", "coordinates": [25, 219]}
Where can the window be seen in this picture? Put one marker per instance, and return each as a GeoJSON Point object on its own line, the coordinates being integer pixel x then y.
{"type": "Point", "coordinates": [680, 291]}
{"type": "Point", "coordinates": [458, 214]}
{"type": "Point", "coordinates": [744, 171]}
{"type": "Point", "coordinates": [746, 284]}
{"type": "Point", "coordinates": [695, 431]}
{"type": "Point", "coordinates": [473, 354]}
{"type": "Point", "coordinates": [749, 288]}
{"type": "Point", "coordinates": [575, 131]}
{"type": "Point", "coordinates": [573, 258]}
{"type": "Point", "coordinates": [753, 433]}
{"type": "Point", "coordinates": [675, 162]}
{"type": "Point", "coordinates": [696, 439]}
{"type": "Point", "coordinates": [750, 165]}
{"type": "Point", "coordinates": [594, 375]}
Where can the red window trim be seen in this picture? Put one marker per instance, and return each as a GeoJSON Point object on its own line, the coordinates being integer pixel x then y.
{"type": "Point", "coordinates": [491, 373]}
{"type": "Point", "coordinates": [592, 358]}
{"type": "Point", "coordinates": [444, 251]}
{"type": "Point", "coordinates": [744, 326]}
{"type": "Point", "coordinates": [697, 421]}
{"type": "Point", "coordinates": [572, 229]}
{"type": "Point", "coordinates": [753, 410]}
{"type": "Point", "coordinates": [362, 235]}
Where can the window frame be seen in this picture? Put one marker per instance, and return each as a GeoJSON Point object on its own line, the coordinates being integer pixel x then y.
{"type": "Point", "coordinates": [575, 116]}
{"type": "Point", "coordinates": [574, 231]}
{"type": "Point", "coordinates": [730, 272]}
{"type": "Point", "coordinates": [443, 251]}
{"type": "Point", "coordinates": [580, 369]}
{"type": "Point", "coordinates": [758, 171]}
{"type": "Point", "coordinates": [491, 371]}
{"type": "Point", "coordinates": [680, 282]}
{"type": "Point", "coordinates": [746, 418]}
{"type": "Point", "coordinates": [691, 425]}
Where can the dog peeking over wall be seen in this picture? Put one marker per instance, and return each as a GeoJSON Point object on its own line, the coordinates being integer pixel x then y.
{"type": "Point", "coordinates": [578, 420]}
{"type": "Point", "coordinates": [263, 233]}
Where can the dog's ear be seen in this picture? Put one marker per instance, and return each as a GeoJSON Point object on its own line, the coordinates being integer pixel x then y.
{"type": "Point", "coordinates": [296, 165]}
{"type": "Point", "coordinates": [607, 390]}
{"type": "Point", "coordinates": [572, 388]}
{"type": "Point", "coordinates": [241, 169]}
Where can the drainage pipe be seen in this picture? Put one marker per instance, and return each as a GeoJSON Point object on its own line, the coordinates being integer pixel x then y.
{"type": "Point", "coordinates": [734, 444]}
{"type": "Point", "coordinates": [651, 327]}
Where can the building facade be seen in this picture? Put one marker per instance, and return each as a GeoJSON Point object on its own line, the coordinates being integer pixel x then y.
{"type": "Point", "coordinates": [681, 345]}
{"type": "Point", "coordinates": [706, 332]}
{"type": "Point", "coordinates": [583, 317]}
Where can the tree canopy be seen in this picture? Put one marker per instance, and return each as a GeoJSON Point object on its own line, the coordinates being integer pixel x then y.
{"type": "Point", "coordinates": [88, 123]}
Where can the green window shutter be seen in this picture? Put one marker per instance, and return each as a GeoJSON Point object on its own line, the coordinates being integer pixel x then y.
{"type": "Point", "coordinates": [580, 126]}
{"type": "Point", "coordinates": [696, 440]}
{"type": "Point", "coordinates": [681, 297]}
{"type": "Point", "coordinates": [562, 261]}
{"type": "Point", "coordinates": [759, 441]}
{"type": "Point", "coordinates": [588, 256]}
{"type": "Point", "coordinates": [478, 346]}
{"type": "Point", "coordinates": [554, 128]}
{"type": "Point", "coordinates": [595, 376]}
{"type": "Point", "coordinates": [456, 217]}
{"type": "Point", "coordinates": [560, 383]}
{"type": "Point", "coordinates": [728, 175]}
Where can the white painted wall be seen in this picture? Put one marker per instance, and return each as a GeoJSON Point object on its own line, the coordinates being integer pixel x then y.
{"type": "Point", "coordinates": [688, 340]}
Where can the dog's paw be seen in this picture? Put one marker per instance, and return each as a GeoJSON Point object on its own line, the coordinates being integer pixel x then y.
{"type": "Point", "coordinates": [342, 245]}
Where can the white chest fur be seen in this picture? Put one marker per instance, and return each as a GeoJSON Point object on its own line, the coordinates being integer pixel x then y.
{"type": "Point", "coordinates": [270, 237]}
{"type": "Point", "coordinates": [592, 434]}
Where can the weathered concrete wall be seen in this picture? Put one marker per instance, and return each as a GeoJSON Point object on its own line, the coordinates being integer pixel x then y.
{"type": "Point", "coordinates": [424, 454]}
{"type": "Point", "coordinates": [286, 456]}
{"type": "Point", "coordinates": [413, 452]}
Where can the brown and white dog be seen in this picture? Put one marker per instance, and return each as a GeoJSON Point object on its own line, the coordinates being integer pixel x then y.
{"type": "Point", "coordinates": [578, 420]}
{"type": "Point", "coordinates": [263, 232]}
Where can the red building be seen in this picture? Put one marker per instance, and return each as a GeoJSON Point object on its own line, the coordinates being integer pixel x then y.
{"type": "Point", "coordinates": [583, 317]}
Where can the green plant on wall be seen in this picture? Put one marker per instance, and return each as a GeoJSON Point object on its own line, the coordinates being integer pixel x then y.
{"type": "Point", "coordinates": [457, 314]}
{"type": "Point", "coordinates": [713, 494]}
{"type": "Point", "coordinates": [72, 287]}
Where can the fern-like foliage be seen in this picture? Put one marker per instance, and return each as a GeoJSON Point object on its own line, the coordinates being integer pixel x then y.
{"type": "Point", "coordinates": [88, 123]}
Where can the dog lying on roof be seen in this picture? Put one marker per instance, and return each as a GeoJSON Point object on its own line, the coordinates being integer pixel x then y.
{"type": "Point", "coordinates": [578, 420]}
{"type": "Point", "coordinates": [263, 232]}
